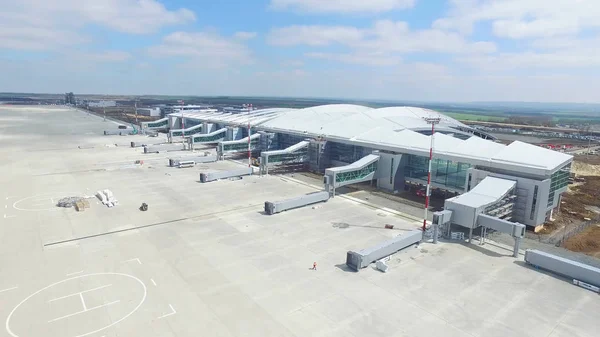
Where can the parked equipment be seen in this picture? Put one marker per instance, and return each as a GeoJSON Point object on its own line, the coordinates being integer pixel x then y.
{"type": "Point", "coordinates": [363, 258]}
{"type": "Point", "coordinates": [305, 200]}
{"type": "Point", "coordinates": [564, 267]}
{"type": "Point", "coordinates": [212, 176]}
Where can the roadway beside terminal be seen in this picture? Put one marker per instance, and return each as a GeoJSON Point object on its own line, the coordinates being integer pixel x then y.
{"type": "Point", "coordinates": [204, 259]}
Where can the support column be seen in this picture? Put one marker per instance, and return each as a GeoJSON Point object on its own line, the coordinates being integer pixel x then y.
{"type": "Point", "coordinates": [470, 234]}
{"type": "Point", "coordinates": [482, 236]}
{"type": "Point", "coordinates": [517, 247]}
{"type": "Point", "coordinates": [435, 232]}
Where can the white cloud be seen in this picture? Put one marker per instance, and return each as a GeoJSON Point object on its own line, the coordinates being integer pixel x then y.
{"type": "Point", "coordinates": [369, 59]}
{"type": "Point", "coordinates": [524, 18]}
{"type": "Point", "coordinates": [561, 59]}
{"type": "Point", "coordinates": [377, 45]}
{"type": "Point", "coordinates": [245, 35]}
{"type": "Point", "coordinates": [341, 6]}
{"type": "Point", "coordinates": [203, 48]}
{"type": "Point", "coordinates": [315, 35]}
{"type": "Point", "coordinates": [517, 29]}
{"type": "Point", "coordinates": [292, 63]}
{"type": "Point", "coordinates": [36, 38]}
{"type": "Point", "coordinates": [106, 56]}
{"type": "Point", "coordinates": [42, 24]}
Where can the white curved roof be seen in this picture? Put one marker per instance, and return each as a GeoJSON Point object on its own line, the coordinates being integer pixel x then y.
{"type": "Point", "coordinates": [351, 120]}
{"type": "Point", "coordinates": [395, 129]}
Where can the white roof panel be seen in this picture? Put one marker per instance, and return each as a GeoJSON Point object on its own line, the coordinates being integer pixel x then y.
{"type": "Point", "coordinates": [488, 191]}
{"type": "Point", "coordinates": [394, 129]}
{"type": "Point", "coordinates": [532, 155]}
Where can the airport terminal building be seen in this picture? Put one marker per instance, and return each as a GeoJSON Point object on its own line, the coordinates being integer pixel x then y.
{"type": "Point", "coordinates": [389, 147]}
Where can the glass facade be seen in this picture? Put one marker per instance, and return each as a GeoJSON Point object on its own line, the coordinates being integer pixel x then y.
{"type": "Point", "coordinates": [443, 172]}
{"type": "Point", "coordinates": [346, 153]}
{"type": "Point", "coordinates": [192, 122]}
{"type": "Point", "coordinates": [297, 156]}
{"type": "Point", "coordinates": [240, 146]}
{"type": "Point", "coordinates": [356, 175]}
{"type": "Point", "coordinates": [158, 124]}
{"type": "Point", "coordinates": [558, 180]}
{"type": "Point", "coordinates": [210, 138]}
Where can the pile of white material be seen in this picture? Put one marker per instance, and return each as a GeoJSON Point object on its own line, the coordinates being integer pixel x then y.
{"type": "Point", "coordinates": [107, 198]}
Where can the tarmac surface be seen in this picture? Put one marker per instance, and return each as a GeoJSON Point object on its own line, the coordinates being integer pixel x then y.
{"type": "Point", "coordinates": [205, 261]}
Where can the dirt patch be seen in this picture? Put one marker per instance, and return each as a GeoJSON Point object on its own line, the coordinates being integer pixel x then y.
{"type": "Point", "coordinates": [580, 197]}
{"type": "Point", "coordinates": [587, 242]}
{"type": "Point", "coordinates": [587, 159]}
{"type": "Point", "coordinates": [586, 167]}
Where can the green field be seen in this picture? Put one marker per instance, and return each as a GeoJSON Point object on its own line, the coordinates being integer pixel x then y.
{"type": "Point", "coordinates": [472, 117]}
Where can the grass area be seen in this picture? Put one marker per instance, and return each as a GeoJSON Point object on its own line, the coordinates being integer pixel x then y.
{"type": "Point", "coordinates": [474, 117]}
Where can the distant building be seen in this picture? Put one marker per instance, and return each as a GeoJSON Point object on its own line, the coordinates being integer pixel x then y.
{"type": "Point", "coordinates": [101, 104]}
{"type": "Point", "coordinates": [236, 110]}
{"type": "Point", "coordinates": [169, 109]}
{"type": "Point", "coordinates": [151, 112]}
{"type": "Point", "coordinates": [70, 98]}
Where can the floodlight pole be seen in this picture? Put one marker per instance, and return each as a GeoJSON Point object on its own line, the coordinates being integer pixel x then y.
{"type": "Point", "coordinates": [433, 121]}
{"type": "Point", "coordinates": [249, 107]}
{"type": "Point", "coordinates": [182, 125]}
{"type": "Point", "coordinates": [136, 114]}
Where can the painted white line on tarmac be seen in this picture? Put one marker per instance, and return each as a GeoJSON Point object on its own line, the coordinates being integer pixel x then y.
{"type": "Point", "coordinates": [79, 293]}
{"type": "Point", "coordinates": [13, 288]}
{"type": "Point", "coordinates": [152, 280]}
{"type": "Point", "coordinates": [75, 273]}
{"type": "Point", "coordinates": [86, 310]}
{"type": "Point", "coordinates": [173, 312]}
{"type": "Point", "coordinates": [135, 259]}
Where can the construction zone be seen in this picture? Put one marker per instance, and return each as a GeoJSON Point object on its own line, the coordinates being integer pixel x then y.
{"type": "Point", "coordinates": [287, 222]}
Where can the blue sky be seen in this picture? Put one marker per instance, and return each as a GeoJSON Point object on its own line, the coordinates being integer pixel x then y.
{"type": "Point", "coordinates": [422, 50]}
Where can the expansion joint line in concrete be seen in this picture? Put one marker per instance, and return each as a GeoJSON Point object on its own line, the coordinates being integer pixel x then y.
{"type": "Point", "coordinates": [147, 226]}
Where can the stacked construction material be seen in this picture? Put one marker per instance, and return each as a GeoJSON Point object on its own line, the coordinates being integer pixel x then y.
{"type": "Point", "coordinates": [79, 203]}
{"type": "Point", "coordinates": [107, 198]}
{"type": "Point", "coordinates": [68, 201]}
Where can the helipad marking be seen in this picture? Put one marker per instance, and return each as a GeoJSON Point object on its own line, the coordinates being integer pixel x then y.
{"type": "Point", "coordinates": [152, 280]}
{"type": "Point", "coordinates": [46, 197]}
{"type": "Point", "coordinates": [85, 310]}
{"type": "Point", "coordinates": [11, 333]}
{"type": "Point", "coordinates": [173, 312]}
{"type": "Point", "coordinates": [79, 293]}
{"type": "Point", "coordinates": [75, 273]}
{"type": "Point", "coordinates": [9, 216]}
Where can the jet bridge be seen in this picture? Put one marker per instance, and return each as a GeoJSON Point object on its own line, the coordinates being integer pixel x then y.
{"type": "Point", "coordinates": [488, 205]}
{"type": "Point", "coordinates": [240, 145]}
{"type": "Point", "coordinates": [361, 170]}
{"type": "Point", "coordinates": [162, 123]}
{"type": "Point", "coordinates": [185, 132]}
{"type": "Point", "coordinates": [297, 153]}
{"type": "Point", "coordinates": [213, 137]}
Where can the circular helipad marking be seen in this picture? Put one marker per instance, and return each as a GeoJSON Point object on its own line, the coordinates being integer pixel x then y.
{"type": "Point", "coordinates": [36, 203]}
{"type": "Point", "coordinates": [11, 333]}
